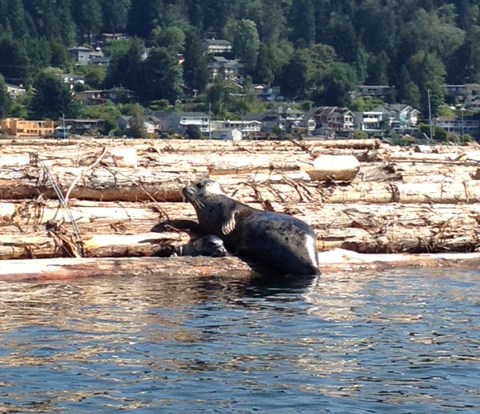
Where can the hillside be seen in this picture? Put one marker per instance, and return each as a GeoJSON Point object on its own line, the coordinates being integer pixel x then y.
{"type": "Point", "coordinates": [313, 49]}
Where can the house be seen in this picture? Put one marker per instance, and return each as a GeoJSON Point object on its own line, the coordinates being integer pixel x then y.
{"type": "Point", "coordinates": [71, 80]}
{"type": "Point", "coordinates": [217, 46]}
{"type": "Point", "coordinates": [247, 128]}
{"type": "Point", "coordinates": [329, 119]}
{"type": "Point", "coordinates": [80, 54]}
{"type": "Point", "coordinates": [458, 125]}
{"type": "Point", "coordinates": [87, 56]}
{"type": "Point", "coordinates": [26, 128]}
{"type": "Point", "coordinates": [284, 119]}
{"type": "Point", "coordinates": [228, 134]}
{"type": "Point", "coordinates": [15, 90]}
{"type": "Point", "coordinates": [104, 38]}
{"type": "Point", "coordinates": [84, 126]}
{"type": "Point", "coordinates": [462, 93]}
{"type": "Point", "coordinates": [398, 116]}
{"type": "Point", "coordinates": [374, 91]}
{"type": "Point", "coordinates": [179, 122]}
{"type": "Point", "coordinates": [268, 93]}
{"type": "Point", "coordinates": [230, 69]}
{"type": "Point", "coordinates": [369, 121]}
{"type": "Point", "coordinates": [95, 97]}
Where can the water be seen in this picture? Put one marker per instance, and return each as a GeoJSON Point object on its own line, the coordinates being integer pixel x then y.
{"type": "Point", "coordinates": [392, 342]}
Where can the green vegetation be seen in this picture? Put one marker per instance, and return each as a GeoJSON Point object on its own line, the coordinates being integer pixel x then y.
{"type": "Point", "coordinates": [317, 50]}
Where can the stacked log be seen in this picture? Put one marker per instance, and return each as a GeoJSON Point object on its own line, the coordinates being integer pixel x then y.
{"type": "Point", "coordinates": [122, 198]}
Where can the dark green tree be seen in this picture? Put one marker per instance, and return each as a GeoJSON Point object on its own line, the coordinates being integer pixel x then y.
{"type": "Point", "coordinates": [51, 98]}
{"type": "Point", "coordinates": [143, 17]}
{"type": "Point", "coordinates": [126, 66]}
{"type": "Point", "coordinates": [162, 76]}
{"type": "Point", "coordinates": [4, 98]}
{"type": "Point", "coordinates": [338, 84]}
{"type": "Point", "coordinates": [246, 43]}
{"type": "Point", "coordinates": [14, 62]}
{"type": "Point", "coordinates": [378, 70]}
{"type": "Point", "coordinates": [115, 15]}
{"type": "Point", "coordinates": [302, 22]}
{"type": "Point", "coordinates": [88, 17]}
{"type": "Point", "coordinates": [195, 65]}
{"type": "Point", "coordinates": [294, 76]}
{"type": "Point", "coordinates": [264, 72]}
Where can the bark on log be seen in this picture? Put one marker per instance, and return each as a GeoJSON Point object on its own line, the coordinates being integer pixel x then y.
{"type": "Point", "coordinates": [361, 227]}
{"type": "Point", "coordinates": [229, 268]}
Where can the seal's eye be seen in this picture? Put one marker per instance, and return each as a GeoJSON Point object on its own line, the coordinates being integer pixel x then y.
{"type": "Point", "coordinates": [199, 185]}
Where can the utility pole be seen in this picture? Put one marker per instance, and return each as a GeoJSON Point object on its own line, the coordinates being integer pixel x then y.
{"type": "Point", "coordinates": [429, 114]}
{"type": "Point", "coordinates": [209, 124]}
{"type": "Point", "coordinates": [463, 125]}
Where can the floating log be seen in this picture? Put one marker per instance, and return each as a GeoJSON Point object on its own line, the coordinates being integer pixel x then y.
{"type": "Point", "coordinates": [228, 268]}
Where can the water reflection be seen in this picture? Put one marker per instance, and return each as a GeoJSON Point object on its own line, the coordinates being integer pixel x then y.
{"type": "Point", "coordinates": [397, 341]}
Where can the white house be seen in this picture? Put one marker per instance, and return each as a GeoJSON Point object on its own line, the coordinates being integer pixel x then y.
{"type": "Point", "coordinates": [15, 91]}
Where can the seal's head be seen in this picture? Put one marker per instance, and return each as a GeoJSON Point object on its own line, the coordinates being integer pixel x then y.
{"type": "Point", "coordinates": [211, 246]}
{"type": "Point", "coordinates": [201, 190]}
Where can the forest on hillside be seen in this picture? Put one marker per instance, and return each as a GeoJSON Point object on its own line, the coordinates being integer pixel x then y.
{"type": "Point", "coordinates": [316, 50]}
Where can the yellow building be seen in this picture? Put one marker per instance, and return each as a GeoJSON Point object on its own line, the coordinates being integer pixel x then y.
{"type": "Point", "coordinates": [17, 127]}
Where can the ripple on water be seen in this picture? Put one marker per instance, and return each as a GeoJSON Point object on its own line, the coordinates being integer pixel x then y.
{"type": "Point", "coordinates": [396, 341]}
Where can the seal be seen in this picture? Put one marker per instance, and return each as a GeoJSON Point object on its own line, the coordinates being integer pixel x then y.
{"type": "Point", "coordinates": [205, 246]}
{"type": "Point", "coordinates": [282, 242]}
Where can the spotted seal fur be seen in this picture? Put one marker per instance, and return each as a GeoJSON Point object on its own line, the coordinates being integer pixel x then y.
{"type": "Point", "coordinates": [282, 242]}
{"type": "Point", "coordinates": [206, 246]}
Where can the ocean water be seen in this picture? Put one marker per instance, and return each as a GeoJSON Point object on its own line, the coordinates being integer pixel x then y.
{"type": "Point", "coordinates": [397, 341]}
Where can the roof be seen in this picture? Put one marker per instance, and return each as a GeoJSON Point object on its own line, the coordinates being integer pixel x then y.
{"type": "Point", "coordinates": [218, 42]}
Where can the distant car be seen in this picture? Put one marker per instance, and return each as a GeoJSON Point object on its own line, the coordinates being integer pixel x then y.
{"type": "Point", "coordinates": [60, 133]}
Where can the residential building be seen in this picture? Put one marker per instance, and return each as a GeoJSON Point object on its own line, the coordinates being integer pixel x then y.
{"type": "Point", "coordinates": [71, 80]}
{"type": "Point", "coordinates": [268, 93]}
{"type": "Point", "coordinates": [374, 91]}
{"type": "Point", "coordinates": [230, 69]}
{"type": "Point", "coordinates": [179, 122]}
{"type": "Point", "coordinates": [26, 128]}
{"type": "Point", "coordinates": [333, 118]}
{"type": "Point", "coordinates": [369, 121]}
{"type": "Point", "coordinates": [217, 46]}
{"type": "Point", "coordinates": [84, 126]}
{"type": "Point", "coordinates": [104, 38]}
{"type": "Point", "coordinates": [395, 116]}
{"type": "Point", "coordinates": [458, 125]}
{"type": "Point", "coordinates": [87, 56]}
{"type": "Point", "coordinates": [398, 116]}
{"type": "Point", "coordinates": [251, 127]}
{"type": "Point", "coordinates": [152, 124]}
{"type": "Point", "coordinates": [94, 97]}
{"type": "Point", "coordinates": [15, 90]}
{"type": "Point", "coordinates": [284, 119]}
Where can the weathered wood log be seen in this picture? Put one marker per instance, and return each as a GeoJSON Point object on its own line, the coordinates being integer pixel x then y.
{"type": "Point", "coordinates": [361, 227]}
{"type": "Point", "coordinates": [229, 268]}
{"type": "Point", "coordinates": [64, 244]}
{"type": "Point", "coordinates": [123, 184]}
{"type": "Point", "coordinates": [334, 168]}
{"type": "Point", "coordinates": [367, 238]}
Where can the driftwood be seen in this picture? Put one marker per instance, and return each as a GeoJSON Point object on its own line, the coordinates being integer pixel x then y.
{"type": "Point", "coordinates": [369, 228]}
{"type": "Point", "coordinates": [226, 268]}
{"type": "Point", "coordinates": [125, 196]}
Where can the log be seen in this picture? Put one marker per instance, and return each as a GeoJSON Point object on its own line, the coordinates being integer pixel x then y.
{"type": "Point", "coordinates": [334, 168]}
{"type": "Point", "coordinates": [361, 227]}
{"type": "Point", "coordinates": [228, 268]}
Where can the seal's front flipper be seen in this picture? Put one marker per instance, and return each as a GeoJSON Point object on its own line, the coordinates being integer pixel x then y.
{"type": "Point", "coordinates": [230, 224]}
